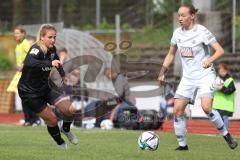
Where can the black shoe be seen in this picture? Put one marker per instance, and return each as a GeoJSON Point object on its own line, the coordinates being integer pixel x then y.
{"type": "Point", "coordinates": [230, 141]}
{"type": "Point", "coordinates": [182, 148]}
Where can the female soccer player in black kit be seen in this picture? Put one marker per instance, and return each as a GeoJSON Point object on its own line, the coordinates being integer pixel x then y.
{"type": "Point", "coordinates": [34, 89]}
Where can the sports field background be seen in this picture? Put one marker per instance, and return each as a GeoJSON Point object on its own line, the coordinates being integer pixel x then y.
{"type": "Point", "coordinates": [150, 29]}
{"type": "Point", "coordinates": [29, 143]}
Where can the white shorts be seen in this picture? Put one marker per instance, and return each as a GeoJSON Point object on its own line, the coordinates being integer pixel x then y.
{"type": "Point", "coordinates": [205, 86]}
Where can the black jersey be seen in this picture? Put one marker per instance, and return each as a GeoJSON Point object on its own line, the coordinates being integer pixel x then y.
{"type": "Point", "coordinates": [35, 73]}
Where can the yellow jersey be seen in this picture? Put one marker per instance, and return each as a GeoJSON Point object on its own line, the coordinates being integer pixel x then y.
{"type": "Point", "coordinates": [21, 51]}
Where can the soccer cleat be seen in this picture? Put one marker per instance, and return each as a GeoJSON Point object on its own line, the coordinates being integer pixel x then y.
{"type": "Point", "coordinates": [230, 141]}
{"type": "Point", "coordinates": [63, 146]}
{"type": "Point", "coordinates": [71, 137]}
{"type": "Point", "coordinates": [182, 148]}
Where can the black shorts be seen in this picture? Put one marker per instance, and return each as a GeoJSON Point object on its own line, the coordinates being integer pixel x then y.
{"type": "Point", "coordinates": [37, 104]}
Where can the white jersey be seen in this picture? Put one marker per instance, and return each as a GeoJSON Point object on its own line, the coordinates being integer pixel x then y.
{"type": "Point", "coordinates": [193, 47]}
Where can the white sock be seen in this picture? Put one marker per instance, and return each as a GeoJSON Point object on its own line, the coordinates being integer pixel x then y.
{"type": "Point", "coordinates": [217, 121]}
{"type": "Point", "coordinates": [180, 130]}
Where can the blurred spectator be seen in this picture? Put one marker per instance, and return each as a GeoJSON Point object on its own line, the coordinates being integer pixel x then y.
{"type": "Point", "coordinates": [22, 46]}
{"type": "Point", "coordinates": [122, 89]}
{"type": "Point", "coordinates": [62, 53]}
{"type": "Point", "coordinates": [120, 84]}
{"type": "Point", "coordinates": [224, 96]}
{"type": "Point", "coordinates": [74, 91]}
{"type": "Point", "coordinates": [30, 118]}
{"type": "Point", "coordinates": [68, 66]}
{"type": "Point", "coordinates": [79, 100]}
{"type": "Point", "coordinates": [166, 105]}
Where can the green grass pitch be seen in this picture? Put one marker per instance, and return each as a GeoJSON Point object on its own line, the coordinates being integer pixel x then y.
{"type": "Point", "coordinates": [29, 143]}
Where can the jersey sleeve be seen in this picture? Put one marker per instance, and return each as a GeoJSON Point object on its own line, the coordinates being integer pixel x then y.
{"type": "Point", "coordinates": [208, 37]}
{"type": "Point", "coordinates": [33, 59]}
{"type": "Point", "coordinates": [61, 71]}
{"type": "Point", "coordinates": [60, 67]}
{"type": "Point", "coordinates": [173, 39]}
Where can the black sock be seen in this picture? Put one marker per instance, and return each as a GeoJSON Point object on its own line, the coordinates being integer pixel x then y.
{"type": "Point", "coordinates": [55, 134]}
{"type": "Point", "coordinates": [66, 125]}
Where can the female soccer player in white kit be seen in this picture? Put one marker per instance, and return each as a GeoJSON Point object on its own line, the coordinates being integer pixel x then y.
{"type": "Point", "coordinates": [192, 41]}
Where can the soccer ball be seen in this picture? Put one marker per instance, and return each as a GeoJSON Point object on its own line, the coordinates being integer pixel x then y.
{"type": "Point", "coordinates": [219, 81]}
{"type": "Point", "coordinates": [106, 124]}
{"type": "Point", "coordinates": [148, 141]}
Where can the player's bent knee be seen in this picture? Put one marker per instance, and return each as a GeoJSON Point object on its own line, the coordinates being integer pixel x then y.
{"type": "Point", "coordinates": [51, 120]}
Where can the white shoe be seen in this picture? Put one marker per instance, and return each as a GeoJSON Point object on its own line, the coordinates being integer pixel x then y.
{"type": "Point", "coordinates": [71, 137]}
{"type": "Point", "coordinates": [63, 146]}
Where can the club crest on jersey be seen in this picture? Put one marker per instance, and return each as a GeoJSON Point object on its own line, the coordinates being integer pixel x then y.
{"type": "Point", "coordinates": [46, 68]}
{"type": "Point", "coordinates": [34, 51]}
{"type": "Point", "coordinates": [186, 52]}
{"type": "Point", "coordinates": [52, 56]}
